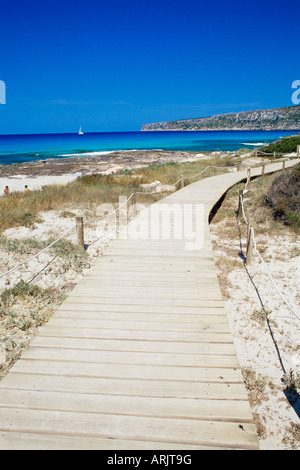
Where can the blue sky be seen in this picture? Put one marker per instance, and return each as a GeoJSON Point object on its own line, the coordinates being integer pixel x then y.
{"type": "Point", "coordinates": [115, 65]}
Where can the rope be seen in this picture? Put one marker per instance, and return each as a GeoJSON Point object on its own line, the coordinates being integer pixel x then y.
{"type": "Point", "coordinates": [147, 193]}
{"type": "Point", "coordinates": [38, 254]}
{"type": "Point", "coordinates": [104, 234]}
{"type": "Point", "coordinates": [271, 154]}
{"type": "Point", "coordinates": [265, 266]}
{"type": "Point", "coordinates": [270, 276]}
{"type": "Point", "coordinates": [198, 174]}
{"type": "Point", "coordinates": [107, 215]}
{"type": "Point", "coordinates": [43, 269]}
{"type": "Point", "coordinates": [58, 239]}
{"type": "Point", "coordinates": [222, 167]}
{"type": "Point", "coordinates": [243, 212]}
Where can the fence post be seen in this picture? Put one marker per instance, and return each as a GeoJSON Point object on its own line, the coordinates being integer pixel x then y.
{"type": "Point", "coordinates": [133, 204]}
{"type": "Point", "coordinates": [274, 154]}
{"type": "Point", "coordinates": [182, 181]}
{"type": "Point", "coordinates": [106, 222]}
{"type": "Point", "coordinates": [249, 255]}
{"type": "Point", "coordinates": [283, 165]}
{"type": "Point", "coordinates": [117, 221]}
{"type": "Point", "coordinates": [80, 231]}
{"type": "Point", "coordinates": [239, 211]}
{"type": "Point", "coordinates": [263, 170]}
{"type": "Point", "coordinates": [298, 150]}
{"type": "Point", "coordinates": [248, 178]}
{"type": "Point", "coordinates": [249, 225]}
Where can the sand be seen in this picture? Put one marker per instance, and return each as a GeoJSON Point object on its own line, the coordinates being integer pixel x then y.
{"type": "Point", "coordinates": [270, 353]}
{"type": "Point", "coordinates": [17, 183]}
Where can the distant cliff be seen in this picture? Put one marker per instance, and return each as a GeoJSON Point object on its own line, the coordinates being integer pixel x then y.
{"type": "Point", "coordinates": [266, 119]}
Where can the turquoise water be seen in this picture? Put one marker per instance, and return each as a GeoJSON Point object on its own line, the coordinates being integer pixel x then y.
{"type": "Point", "coordinates": [24, 148]}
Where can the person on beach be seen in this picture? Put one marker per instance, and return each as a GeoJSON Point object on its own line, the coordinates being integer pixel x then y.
{"type": "Point", "coordinates": [26, 189]}
{"type": "Point", "coordinates": [6, 191]}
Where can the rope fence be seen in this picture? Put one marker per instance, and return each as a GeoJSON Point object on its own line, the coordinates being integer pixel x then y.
{"type": "Point", "coordinates": [38, 254]}
{"type": "Point", "coordinates": [252, 248]}
{"type": "Point", "coordinates": [258, 152]}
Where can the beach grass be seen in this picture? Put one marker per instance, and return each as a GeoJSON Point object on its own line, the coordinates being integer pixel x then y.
{"type": "Point", "coordinates": [87, 191]}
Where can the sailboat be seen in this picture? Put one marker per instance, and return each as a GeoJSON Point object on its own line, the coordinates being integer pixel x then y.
{"type": "Point", "coordinates": [80, 131]}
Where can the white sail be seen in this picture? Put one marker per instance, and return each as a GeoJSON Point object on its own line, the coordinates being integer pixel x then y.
{"type": "Point", "coordinates": [80, 131]}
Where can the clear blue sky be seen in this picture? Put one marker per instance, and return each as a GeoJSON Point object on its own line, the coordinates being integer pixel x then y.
{"type": "Point", "coordinates": [113, 65]}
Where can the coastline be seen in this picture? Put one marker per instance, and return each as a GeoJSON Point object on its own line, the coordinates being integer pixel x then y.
{"type": "Point", "coordinates": [65, 170]}
{"type": "Point", "coordinates": [223, 129]}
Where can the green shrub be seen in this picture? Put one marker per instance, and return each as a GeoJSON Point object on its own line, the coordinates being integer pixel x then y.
{"type": "Point", "coordinates": [285, 145]}
{"type": "Point", "coordinates": [284, 197]}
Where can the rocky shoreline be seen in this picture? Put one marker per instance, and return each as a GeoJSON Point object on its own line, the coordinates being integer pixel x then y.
{"type": "Point", "coordinates": [97, 164]}
{"type": "Point", "coordinates": [287, 118]}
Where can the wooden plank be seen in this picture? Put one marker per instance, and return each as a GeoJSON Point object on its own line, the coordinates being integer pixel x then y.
{"type": "Point", "coordinates": [133, 294]}
{"type": "Point", "coordinates": [184, 408]}
{"type": "Point", "coordinates": [211, 334]}
{"type": "Point", "coordinates": [140, 308]}
{"type": "Point", "coordinates": [33, 441]}
{"type": "Point", "coordinates": [139, 325]}
{"type": "Point", "coordinates": [194, 432]}
{"type": "Point", "coordinates": [161, 290]}
{"type": "Point", "coordinates": [79, 297]}
{"type": "Point", "coordinates": [216, 359]}
{"type": "Point", "coordinates": [228, 386]}
{"type": "Point", "coordinates": [131, 371]}
{"type": "Point", "coordinates": [207, 316]}
{"type": "Point", "coordinates": [136, 345]}
{"type": "Point", "coordinates": [203, 273]}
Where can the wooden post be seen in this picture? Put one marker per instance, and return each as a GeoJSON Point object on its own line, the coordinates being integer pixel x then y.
{"type": "Point", "coordinates": [274, 154]}
{"type": "Point", "coordinates": [239, 211]}
{"type": "Point", "coordinates": [106, 222]}
{"type": "Point", "coordinates": [283, 165]}
{"type": "Point", "coordinates": [248, 178]}
{"type": "Point", "coordinates": [255, 152]}
{"type": "Point", "coordinates": [263, 170]}
{"type": "Point", "coordinates": [80, 231]}
{"type": "Point", "coordinates": [117, 221]}
{"type": "Point", "coordinates": [133, 204]}
{"type": "Point", "coordinates": [298, 150]}
{"type": "Point", "coordinates": [249, 255]}
{"type": "Point", "coordinates": [249, 225]}
{"type": "Point", "coordinates": [182, 181]}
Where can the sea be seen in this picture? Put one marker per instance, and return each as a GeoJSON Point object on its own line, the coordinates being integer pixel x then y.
{"type": "Point", "coordinates": [26, 148]}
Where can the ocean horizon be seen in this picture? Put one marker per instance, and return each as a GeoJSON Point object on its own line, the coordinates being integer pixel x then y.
{"type": "Point", "coordinates": [32, 147]}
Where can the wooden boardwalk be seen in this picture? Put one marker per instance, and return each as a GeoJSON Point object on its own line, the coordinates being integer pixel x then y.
{"type": "Point", "coordinates": [140, 355]}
